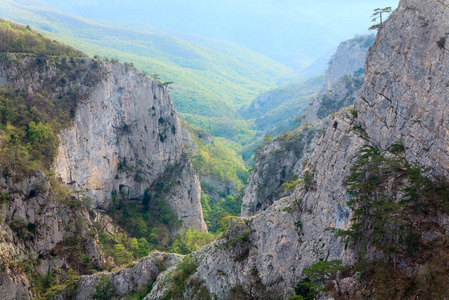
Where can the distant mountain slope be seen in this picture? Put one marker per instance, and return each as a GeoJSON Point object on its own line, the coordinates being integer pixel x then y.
{"type": "Point", "coordinates": [270, 27]}
{"type": "Point", "coordinates": [212, 78]}
{"type": "Point", "coordinates": [277, 110]}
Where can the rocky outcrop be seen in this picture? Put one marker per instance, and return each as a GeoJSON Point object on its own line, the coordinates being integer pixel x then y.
{"type": "Point", "coordinates": [349, 59]}
{"type": "Point", "coordinates": [138, 277]}
{"type": "Point", "coordinates": [126, 131]}
{"type": "Point", "coordinates": [182, 188]}
{"type": "Point", "coordinates": [344, 78]}
{"type": "Point", "coordinates": [263, 256]}
{"type": "Point", "coordinates": [283, 160]}
{"type": "Point", "coordinates": [343, 94]}
{"type": "Point", "coordinates": [35, 232]}
{"type": "Point", "coordinates": [126, 136]}
{"type": "Point", "coordinates": [280, 161]}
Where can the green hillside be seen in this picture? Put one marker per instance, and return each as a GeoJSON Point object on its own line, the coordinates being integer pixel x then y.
{"type": "Point", "coordinates": [282, 103]}
{"type": "Point", "coordinates": [277, 110]}
{"type": "Point", "coordinates": [212, 79]}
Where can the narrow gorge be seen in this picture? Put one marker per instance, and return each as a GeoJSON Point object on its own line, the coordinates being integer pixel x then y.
{"type": "Point", "coordinates": [352, 204]}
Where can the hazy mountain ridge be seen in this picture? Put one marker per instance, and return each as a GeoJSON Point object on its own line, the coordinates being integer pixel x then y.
{"type": "Point", "coordinates": [254, 24]}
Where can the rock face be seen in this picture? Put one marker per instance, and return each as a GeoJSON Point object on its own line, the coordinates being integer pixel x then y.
{"type": "Point", "coordinates": [349, 59]}
{"type": "Point", "coordinates": [343, 94]}
{"type": "Point", "coordinates": [403, 100]}
{"type": "Point", "coordinates": [126, 131]}
{"type": "Point", "coordinates": [344, 78]}
{"type": "Point", "coordinates": [125, 281]}
{"type": "Point", "coordinates": [125, 136]}
{"type": "Point", "coordinates": [281, 161]}
{"type": "Point", "coordinates": [34, 231]}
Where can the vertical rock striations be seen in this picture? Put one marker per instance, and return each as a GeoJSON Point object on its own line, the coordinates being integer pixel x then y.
{"type": "Point", "coordinates": [277, 163]}
{"type": "Point", "coordinates": [349, 59]}
{"type": "Point", "coordinates": [404, 98]}
{"type": "Point", "coordinates": [124, 138]}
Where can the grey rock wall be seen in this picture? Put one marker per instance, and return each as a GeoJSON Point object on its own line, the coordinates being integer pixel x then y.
{"type": "Point", "coordinates": [126, 134]}
{"type": "Point", "coordinates": [126, 131]}
{"type": "Point", "coordinates": [263, 256]}
{"type": "Point", "coordinates": [343, 94]}
{"type": "Point", "coordinates": [34, 230]}
{"type": "Point", "coordinates": [139, 276]}
{"type": "Point", "coordinates": [404, 98]}
{"type": "Point", "coordinates": [281, 161]}
{"type": "Point", "coordinates": [347, 60]}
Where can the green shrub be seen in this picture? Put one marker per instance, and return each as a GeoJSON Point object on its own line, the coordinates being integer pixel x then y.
{"type": "Point", "coordinates": [103, 288]}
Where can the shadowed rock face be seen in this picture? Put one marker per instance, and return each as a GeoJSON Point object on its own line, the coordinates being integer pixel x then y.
{"type": "Point", "coordinates": [277, 163]}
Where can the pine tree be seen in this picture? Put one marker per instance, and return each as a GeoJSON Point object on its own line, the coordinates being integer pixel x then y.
{"type": "Point", "coordinates": [377, 15]}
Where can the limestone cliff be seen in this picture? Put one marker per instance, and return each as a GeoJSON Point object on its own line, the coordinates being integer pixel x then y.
{"type": "Point", "coordinates": [277, 163]}
{"type": "Point", "coordinates": [36, 232]}
{"type": "Point", "coordinates": [343, 94]}
{"type": "Point", "coordinates": [406, 88]}
{"type": "Point", "coordinates": [344, 78]}
{"type": "Point", "coordinates": [121, 134]}
{"type": "Point", "coordinates": [263, 256]}
{"type": "Point", "coordinates": [126, 131]}
{"type": "Point", "coordinates": [124, 138]}
{"type": "Point", "coordinates": [349, 59]}
{"type": "Point", "coordinates": [283, 160]}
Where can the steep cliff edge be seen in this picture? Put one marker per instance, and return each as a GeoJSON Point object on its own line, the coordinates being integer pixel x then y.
{"type": "Point", "coordinates": [349, 59]}
{"type": "Point", "coordinates": [343, 94]}
{"type": "Point", "coordinates": [125, 136]}
{"type": "Point", "coordinates": [402, 104]}
{"type": "Point", "coordinates": [281, 161]}
{"type": "Point", "coordinates": [263, 256]}
{"type": "Point", "coordinates": [126, 131]}
{"type": "Point", "coordinates": [344, 78]}
{"type": "Point", "coordinates": [405, 93]}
